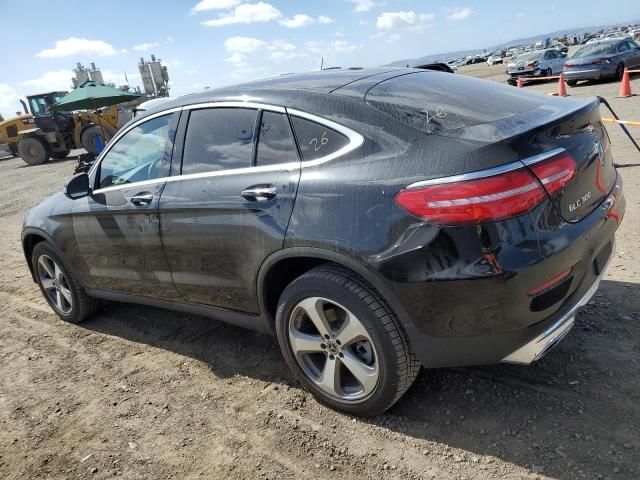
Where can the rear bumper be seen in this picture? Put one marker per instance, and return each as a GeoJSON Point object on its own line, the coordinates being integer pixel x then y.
{"type": "Point", "coordinates": [588, 73]}
{"type": "Point", "coordinates": [549, 338]}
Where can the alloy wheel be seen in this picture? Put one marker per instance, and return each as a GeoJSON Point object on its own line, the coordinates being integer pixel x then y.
{"type": "Point", "coordinates": [333, 348]}
{"type": "Point", "coordinates": [55, 285]}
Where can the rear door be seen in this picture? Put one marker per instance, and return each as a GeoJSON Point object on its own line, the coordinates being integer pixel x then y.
{"type": "Point", "coordinates": [229, 205]}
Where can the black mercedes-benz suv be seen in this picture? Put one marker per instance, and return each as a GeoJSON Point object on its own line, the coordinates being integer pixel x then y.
{"type": "Point", "coordinates": [374, 220]}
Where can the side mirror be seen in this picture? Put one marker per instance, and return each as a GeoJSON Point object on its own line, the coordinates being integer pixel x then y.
{"type": "Point", "coordinates": [77, 186]}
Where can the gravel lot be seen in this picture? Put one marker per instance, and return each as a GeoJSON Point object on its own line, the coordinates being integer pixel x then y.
{"type": "Point", "coordinates": [139, 392]}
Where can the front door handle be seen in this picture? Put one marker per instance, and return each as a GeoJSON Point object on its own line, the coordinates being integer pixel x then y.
{"type": "Point", "coordinates": [259, 193]}
{"type": "Point", "coordinates": [143, 198]}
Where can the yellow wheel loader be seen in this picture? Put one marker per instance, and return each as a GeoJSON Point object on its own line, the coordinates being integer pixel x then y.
{"type": "Point", "coordinates": [42, 134]}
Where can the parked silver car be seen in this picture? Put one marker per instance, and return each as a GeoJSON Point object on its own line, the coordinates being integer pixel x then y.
{"type": "Point", "coordinates": [605, 59]}
{"type": "Point", "coordinates": [539, 63]}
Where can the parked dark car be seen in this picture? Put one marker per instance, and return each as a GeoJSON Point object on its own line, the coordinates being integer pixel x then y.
{"type": "Point", "coordinates": [605, 59]}
{"type": "Point", "coordinates": [374, 220]}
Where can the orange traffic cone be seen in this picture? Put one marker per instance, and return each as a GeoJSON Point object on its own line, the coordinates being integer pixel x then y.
{"type": "Point", "coordinates": [519, 82]}
{"type": "Point", "coordinates": [562, 88]}
{"type": "Point", "coordinates": [625, 85]}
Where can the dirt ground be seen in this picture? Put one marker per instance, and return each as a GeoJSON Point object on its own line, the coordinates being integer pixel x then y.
{"type": "Point", "coordinates": [142, 393]}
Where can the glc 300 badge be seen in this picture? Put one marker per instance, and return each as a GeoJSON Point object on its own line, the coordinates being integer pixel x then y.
{"type": "Point", "coordinates": [575, 205]}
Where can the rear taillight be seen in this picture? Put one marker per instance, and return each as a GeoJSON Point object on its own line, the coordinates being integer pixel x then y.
{"type": "Point", "coordinates": [487, 199]}
{"type": "Point", "coordinates": [555, 173]}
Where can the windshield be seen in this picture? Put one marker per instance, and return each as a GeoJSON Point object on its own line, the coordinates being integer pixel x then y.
{"type": "Point", "coordinates": [528, 56]}
{"type": "Point", "coordinates": [604, 49]}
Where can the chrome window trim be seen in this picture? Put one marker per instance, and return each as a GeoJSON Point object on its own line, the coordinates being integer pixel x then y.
{"type": "Point", "coordinates": [355, 141]}
{"type": "Point", "coordinates": [235, 104]}
{"type": "Point", "coordinates": [489, 172]}
{"type": "Point", "coordinates": [221, 173]}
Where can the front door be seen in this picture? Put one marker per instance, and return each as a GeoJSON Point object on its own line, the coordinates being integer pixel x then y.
{"type": "Point", "coordinates": [117, 226]}
{"type": "Point", "coordinates": [230, 206]}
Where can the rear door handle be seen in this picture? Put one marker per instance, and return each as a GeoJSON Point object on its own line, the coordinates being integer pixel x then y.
{"type": "Point", "coordinates": [142, 198]}
{"type": "Point", "coordinates": [259, 193]}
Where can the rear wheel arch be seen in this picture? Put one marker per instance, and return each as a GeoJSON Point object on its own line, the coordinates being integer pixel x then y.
{"type": "Point", "coordinates": [284, 266]}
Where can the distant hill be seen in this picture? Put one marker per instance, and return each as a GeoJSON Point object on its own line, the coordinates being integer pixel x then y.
{"type": "Point", "coordinates": [443, 57]}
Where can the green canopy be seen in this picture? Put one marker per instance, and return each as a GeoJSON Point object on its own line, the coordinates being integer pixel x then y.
{"type": "Point", "coordinates": [90, 96]}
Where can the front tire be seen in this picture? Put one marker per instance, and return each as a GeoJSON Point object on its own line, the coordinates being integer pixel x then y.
{"type": "Point", "coordinates": [33, 150]}
{"type": "Point", "coordinates": [343, 342]}
{"type": "Point", "coordinates": [61, 290]}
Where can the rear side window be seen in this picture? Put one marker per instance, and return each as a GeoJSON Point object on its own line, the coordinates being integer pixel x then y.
{"type": "Point", "coordinates": [316, 140]}
{"type": "Point", "coordinates": [275, 144]}
{"type": "Point", "coordinates": [218, 139]}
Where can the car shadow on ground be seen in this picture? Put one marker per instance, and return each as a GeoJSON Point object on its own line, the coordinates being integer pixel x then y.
{"type": "Point", "coordinates": [573, 414]}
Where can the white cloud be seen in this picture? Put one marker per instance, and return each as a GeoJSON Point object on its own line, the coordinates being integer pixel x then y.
{"type": "Point", "coordinates": [362, 23]}
{"type": "Point", "coordinates": [334, 46]}
{"type": "Point", "coordinates": [520, 14]}
{"type": "Point", "coordinates": [243, 44]}
{"type": "Point", "coordinates": [9, 101]}
{"type": "Point", "coordinates": [281, 45]}
{"type": "Point", "coordinates": [404, 20]}
{"type": "Point", "coordinates": [238, 59]}
{"type": "Point", "coordinates": [362, 5]}
{"type": "Point", "coordinates": [240, 47]}
{"type": "Point", "coordinates": [459, 13]}
{"type": "Point", "coordinates": [78, 46]}
{"type": "Point", "coordinates": [324, 19]}
{"type": "Point", "coordinates": [204, 5]}
{"type": "Point", "coordinates": [143, 47]}
{"type": "Point", "coordinates": [297, 21]}
{"type": "Point", "coordinates": [246, 13]}
{"type": "Point", "coordinates": [52, 80]}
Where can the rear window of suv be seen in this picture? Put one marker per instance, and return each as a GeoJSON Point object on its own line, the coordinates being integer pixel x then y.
{"type": "Point", "coordinates": [436, 102]}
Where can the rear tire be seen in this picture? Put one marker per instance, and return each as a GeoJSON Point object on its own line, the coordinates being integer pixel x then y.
{"type": "Point", "coordinates": [374, 345]}
{"type": "Point", "coordinates": [619, 72]}
{"type": "Point", "coordinates": [60, 288]}
{"type": "Point", "coordinates": [33, 150]}
{"type": "Point", "coordinates": [88, 139]}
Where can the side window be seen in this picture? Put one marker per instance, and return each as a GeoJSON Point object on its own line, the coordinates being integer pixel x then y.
{"type": "Point", "coordinates": [623, 47]}
{"type": "Point", "coordinates": [275, 144]}
{"type": "Point", "coordinates": [315, 140]}
{"type": "Point", "coordinates": [143, 153]}
{"type": "Point", "coordinates": [218, 139]}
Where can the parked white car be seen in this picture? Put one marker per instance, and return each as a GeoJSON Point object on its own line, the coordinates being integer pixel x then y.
{"type": "Point", "coordinates": [494, 59]}
{"type": "Point", "coordinates": [539, 63]}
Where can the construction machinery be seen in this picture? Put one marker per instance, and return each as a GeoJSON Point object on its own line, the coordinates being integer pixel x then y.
{"type": "Point", "coordinates": [41, 134]}
{"type": "Point", "coordinates": [9, 131]}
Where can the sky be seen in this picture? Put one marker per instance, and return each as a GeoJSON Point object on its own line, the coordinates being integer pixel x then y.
{"type": "Point", "coordinates": [211, 43]}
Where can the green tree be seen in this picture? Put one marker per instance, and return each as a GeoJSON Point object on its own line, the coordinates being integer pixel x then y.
{"type": "Point", "coordinates": [1, 118]}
